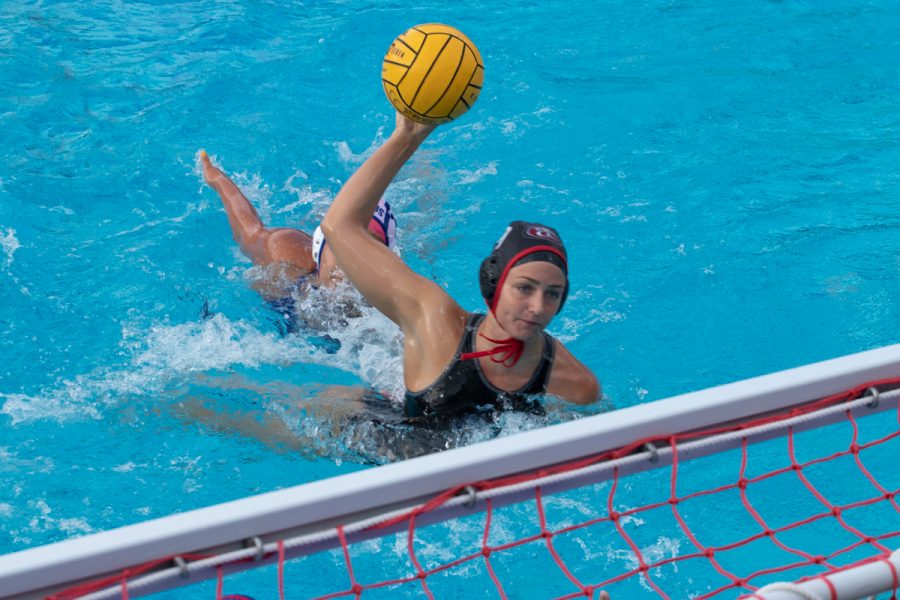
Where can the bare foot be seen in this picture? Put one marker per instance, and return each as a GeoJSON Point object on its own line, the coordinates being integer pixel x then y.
{"type": "Point", "coordinates": [211, 173]}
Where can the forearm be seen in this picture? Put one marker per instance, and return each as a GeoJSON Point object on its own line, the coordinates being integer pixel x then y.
{"type": "Point", "coordinates": [358, 197]}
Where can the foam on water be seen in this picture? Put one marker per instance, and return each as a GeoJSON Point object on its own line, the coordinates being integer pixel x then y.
{"type": "Point", "coordinates": [306, 195]}
{"type": "Point", "coordinates": [10, 244]}
{"type": "Point", "coordinates": [11, 461]}
{"type": "Point", "coordinates": [41, 519]}
{"type": "Point", "coordinates": [158, 354]}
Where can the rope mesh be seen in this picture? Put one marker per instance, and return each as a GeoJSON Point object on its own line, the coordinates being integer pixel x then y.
{"type": "Point", "coordinates": [801, 507]}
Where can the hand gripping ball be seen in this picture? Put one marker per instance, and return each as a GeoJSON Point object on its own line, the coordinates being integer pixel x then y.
{"type": "Point", "coordinates": [432, 73]}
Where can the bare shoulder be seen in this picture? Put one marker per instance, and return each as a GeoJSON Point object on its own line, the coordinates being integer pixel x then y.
{"type": "Point", "coordinates": [437, 310]}
{"type": "Point", "coordinates": [571, 380]}
{"type": "Point", "coordinates": [431, 335]}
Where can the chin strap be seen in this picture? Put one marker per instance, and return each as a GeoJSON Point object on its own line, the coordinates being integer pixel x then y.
{"type": "Point", "coordinates": [506, 352]}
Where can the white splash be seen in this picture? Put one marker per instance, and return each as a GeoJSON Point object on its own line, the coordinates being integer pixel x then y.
{"type": "Point", "coordinates": [348, 157]}
{"type": "Point", "coordinates": [159, 354]}
{"type": "Point", "coordinates": [9, 244]}
{"type": "Point", "coordinates": [317, 200]}
{"type": "Point", "coordinates": [469, 177]}
{"type": "Point", "coordinates": [44, 521]}
{"type": "Point", "coordinates": [11, 462]}
{"type": "Point", "coordinates": [215, 343]}
{"type": "Point", "coordinates": [60, 404]}
{"type": "Point", "coordinates": [370, 349]}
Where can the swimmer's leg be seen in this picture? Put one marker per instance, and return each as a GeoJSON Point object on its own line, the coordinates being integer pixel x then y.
{"type": "Point", "coordinates": [263, 245]}
{"type": "Point", "coordinates": [287, 249]}
{"type": "Point", "coordinates": [269, 429]}
{"type": "Point", "coordinates": [311, 420]}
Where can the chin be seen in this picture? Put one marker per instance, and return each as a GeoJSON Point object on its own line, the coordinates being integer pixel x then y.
{"type": "Point", "coordinates": [527, 332]}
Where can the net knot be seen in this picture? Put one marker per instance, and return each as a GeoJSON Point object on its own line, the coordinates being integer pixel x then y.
{"type": "Point", "coordinates": [855, 448]}
{"type": "Point", "coordinates": [889, 495]}
{"type": "Point", "coordinates": [421, 575]}
{"type": "Point", "coordinates": [356, 589]}
{"type": "Point", "coordinates": [709, 553]}
{"type": "Point", "coordinates": [486, 552]}
{"type": "Point", "coordinates": [836, 511]}
{"type": "Point", "coordinates": [796, 467]}
{"type": "Point", "coordinates": [546, 535]}
{"type": "Point", "coordinates": [819, 560]}
{"type": "Point", "coordinates": [743, 483]}
{"type": "Point", "coordinates": [614, 516]}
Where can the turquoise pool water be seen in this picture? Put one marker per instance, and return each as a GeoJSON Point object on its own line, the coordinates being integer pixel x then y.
{"type": "Point", "coordinates": [725, 177]}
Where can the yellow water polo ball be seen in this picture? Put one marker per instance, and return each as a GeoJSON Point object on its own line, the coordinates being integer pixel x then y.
{"type": "Point", "coordinates": [432, 73]}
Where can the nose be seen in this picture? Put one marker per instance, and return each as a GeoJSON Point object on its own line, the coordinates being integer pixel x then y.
{"type": "Point", "coordinates": [537, 304]}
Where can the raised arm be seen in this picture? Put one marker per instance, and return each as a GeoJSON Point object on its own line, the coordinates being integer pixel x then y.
{"type": "Point", "coordinates": [385, 281]}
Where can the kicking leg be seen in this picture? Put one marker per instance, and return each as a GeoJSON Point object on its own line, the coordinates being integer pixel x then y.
{"type": "Point", "coordinates": [246, 226]}
{"type": "Point", "coordinates": [287, 249]}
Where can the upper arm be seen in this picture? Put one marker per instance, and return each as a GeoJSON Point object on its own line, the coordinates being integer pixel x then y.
{"type": "Point", "coordinates": [381, 276]}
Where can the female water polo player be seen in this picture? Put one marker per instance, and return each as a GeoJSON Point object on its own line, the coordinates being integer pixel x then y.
{"type": "Point", "coordinates": [455, 362]}
{"type": "Point", "coordinates": [293, 259]}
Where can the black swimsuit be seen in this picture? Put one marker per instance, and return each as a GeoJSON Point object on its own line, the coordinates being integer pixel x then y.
{"type": "Point", "coordinates": [463, 389]}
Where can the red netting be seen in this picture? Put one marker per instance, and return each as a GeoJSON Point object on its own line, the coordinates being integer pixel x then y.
{"type": "Point", "coordinates": [83, 589]}
{"type": "Point", "coordinates": [735, 541]}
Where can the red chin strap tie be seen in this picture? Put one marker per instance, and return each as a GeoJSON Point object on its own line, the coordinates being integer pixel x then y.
{"type": "Point", "coordinates": [506, 352]}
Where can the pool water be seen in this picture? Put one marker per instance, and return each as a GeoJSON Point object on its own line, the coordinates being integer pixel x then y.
{"type": "Point", "coordinates": [725, 178]}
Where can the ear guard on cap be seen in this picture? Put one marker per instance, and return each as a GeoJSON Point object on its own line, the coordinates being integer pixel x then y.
{"type": "Point", "coordinates": [489, 277]}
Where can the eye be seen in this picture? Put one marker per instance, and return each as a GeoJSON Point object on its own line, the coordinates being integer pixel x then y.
{"type": "Point", "coordinates": [555, 294]}
{"type": "Point", "coordinates": [524, 288]}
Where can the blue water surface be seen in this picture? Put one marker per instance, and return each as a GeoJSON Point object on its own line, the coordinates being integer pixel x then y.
{"type": "Point", "coordinates": [725, 176]}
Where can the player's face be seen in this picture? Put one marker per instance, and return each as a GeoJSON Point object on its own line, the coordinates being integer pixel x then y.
{"type": "Point", "coordinates": [530, 298]}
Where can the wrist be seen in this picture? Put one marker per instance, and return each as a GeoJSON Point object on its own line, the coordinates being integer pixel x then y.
{"type": "Point", "coordinates": [407, 140]}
